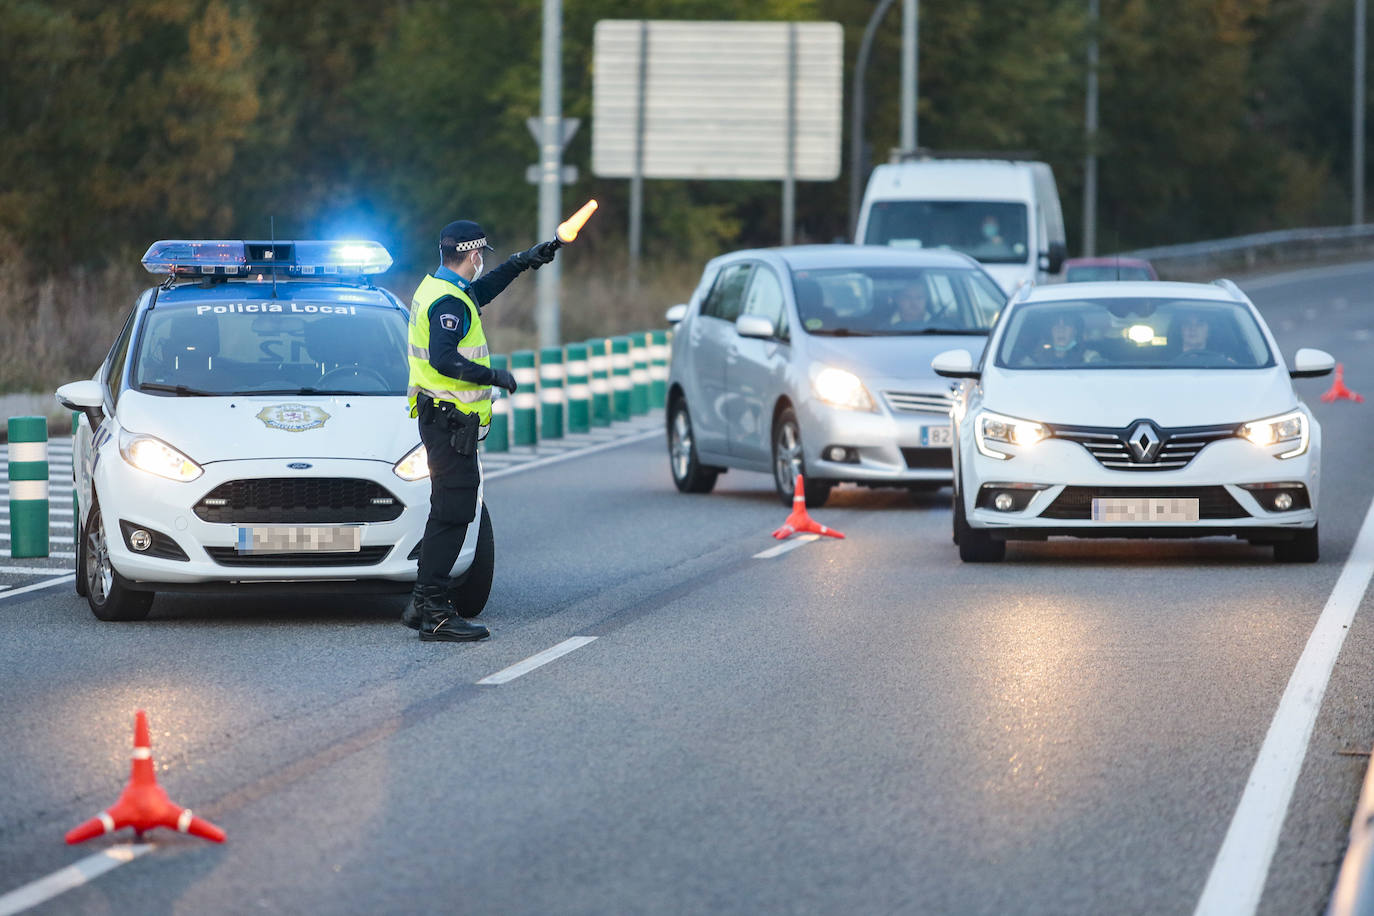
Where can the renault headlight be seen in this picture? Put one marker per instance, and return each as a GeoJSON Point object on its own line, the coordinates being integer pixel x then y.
{"type": "Point", "coordinates": [840, 388]}
{"type": "Point", "coordinates": [414, 466]}
{"type": "Point", "coordinates": [157, 457]}
{"type": "Point", "coordinates": [999, 436]}
{"type": "Point", "coordinates": [1288, 429]}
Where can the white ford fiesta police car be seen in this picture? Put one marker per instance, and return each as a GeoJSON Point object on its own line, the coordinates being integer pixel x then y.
{"type": "Point", "coordinates": [1138, 409]}
{"type": "Point", "coordinates": [250, 428]}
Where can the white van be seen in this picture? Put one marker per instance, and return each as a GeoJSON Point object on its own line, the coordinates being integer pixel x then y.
{"type": "Point", "coordinates": [1003, 212]}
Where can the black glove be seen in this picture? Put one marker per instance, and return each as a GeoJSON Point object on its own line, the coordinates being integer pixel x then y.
{"type": "Point", "coordinates": [542, 253]}
{"type": "Point", "coordinates": [504, 380]}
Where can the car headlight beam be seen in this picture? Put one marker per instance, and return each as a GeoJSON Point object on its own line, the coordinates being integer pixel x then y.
{"type": "Point", "coordinates": [998, 436]}
{"type": "Point", "coordinates": [414, 466]}
{"type": "Point", "coordinates": [1289, 429]}
{"type": "Point", "coordinates": [840, 388]}
{"type": "Point", "coordinates": [153, 456]}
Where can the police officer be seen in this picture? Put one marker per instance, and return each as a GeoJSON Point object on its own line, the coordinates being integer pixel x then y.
{"type": "Point", "coordinates": [450, 391]}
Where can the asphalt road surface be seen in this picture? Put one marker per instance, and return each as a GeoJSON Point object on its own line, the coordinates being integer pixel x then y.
{"type": "Point", "coordinates": [862, 726]}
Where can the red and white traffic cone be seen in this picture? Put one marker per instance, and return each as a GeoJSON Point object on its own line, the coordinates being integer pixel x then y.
{"type": "Point", "coordinates": [799, 522]}
{"type": "Point", "coordinates": [1338, 390]}
{"type": "Point", "coordinates": [144, 804]}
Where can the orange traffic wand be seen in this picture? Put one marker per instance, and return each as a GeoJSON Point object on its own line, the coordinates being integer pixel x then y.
{"type": "Point", "coordinates": [144, 804]}
{"type": "Point", "coordinates": [799, 522]}
{"type": "Point", "coordinates": [568, 229]}
{"type": "Point", "coordinates": [1338, 390]}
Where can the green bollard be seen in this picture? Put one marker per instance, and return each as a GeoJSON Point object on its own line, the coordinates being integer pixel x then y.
{"type": "Point", "coordinates": [639, 376]}
{"type": "Point", "coordinates": [658, 368]}
{"type": "Point", "coordinates": [28, 476]}
{"type": "Point", "coordinates": [498, 434]}
{"type": "Point", "coordinates": [579, 392]}
{"type": "Point", "coordinates": [601, 385]}
{"type": "Point", "coordinates": [620, 378]}
{"type": "Point", "coordinates": [525, 402]}
{"type": "Point", "coordinates": [551, 394]}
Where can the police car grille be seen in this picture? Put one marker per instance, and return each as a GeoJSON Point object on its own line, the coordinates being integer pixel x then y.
{"type": "Point", "coordinates": [1109, 446]}
{"type": "Point", "coordinates": [1077, 502]}
{"type": "Point", "coordinates": [298, 501]}
{"type": "Point", "coordinates": [228, 556]}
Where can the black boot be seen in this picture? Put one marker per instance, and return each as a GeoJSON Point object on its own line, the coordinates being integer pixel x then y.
{"type": "Point", "coordinates": [439, 622]}
{"type": "Point", "coordinates": [411, 615]}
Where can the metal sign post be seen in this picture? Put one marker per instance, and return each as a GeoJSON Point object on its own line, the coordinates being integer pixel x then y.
{"type": "Point", "coordinates": [550, 163]}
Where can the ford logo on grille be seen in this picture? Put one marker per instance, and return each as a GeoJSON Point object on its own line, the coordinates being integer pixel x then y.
{"type": "Point", "coordinates": [299, 465]}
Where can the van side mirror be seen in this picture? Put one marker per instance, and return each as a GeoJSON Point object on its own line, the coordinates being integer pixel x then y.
{"type": "Point", "coordinates": [676, 313]}
{"type": "Point", "coordinates": [1310, 363]}
{"type": "Point", "coordinates": [954, 364]}
{"type": "Point", "coordinates": [1053, 260]}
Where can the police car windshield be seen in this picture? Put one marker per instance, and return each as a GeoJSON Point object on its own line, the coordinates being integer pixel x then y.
{"type": "Point", "coordinates": [278, 348]}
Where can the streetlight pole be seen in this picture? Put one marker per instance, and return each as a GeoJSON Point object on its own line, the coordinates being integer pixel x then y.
{"type": "Point", "coordinates": [857, 162]}
{"type": "Point", "coordinates": [910, 58]}
{"type": "Point", "coordinates": [1090, 130]}
{"type": "Point", "coordinates": [1357, 119]}
{"type": "Point", "coordinates": [550, 169]}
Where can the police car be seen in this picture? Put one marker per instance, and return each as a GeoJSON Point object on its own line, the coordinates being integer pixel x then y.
{"type": "Point", "coordinates": [249, 428]}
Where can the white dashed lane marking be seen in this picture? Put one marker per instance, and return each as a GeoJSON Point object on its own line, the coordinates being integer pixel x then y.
{"type": "Point", "coordinates": [784, 547]}
{"type": "Point", "coordinates": [74, 875]}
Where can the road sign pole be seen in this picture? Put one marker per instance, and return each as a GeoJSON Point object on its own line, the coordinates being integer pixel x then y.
{"type": "Point", "coordinates": [789, 182]}
{"type": "Point", "coordinates": [550, 175]}
{"type": "Point", "coordinates": [637, 179]}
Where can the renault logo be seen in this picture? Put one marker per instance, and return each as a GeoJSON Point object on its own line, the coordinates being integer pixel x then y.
{"type": "Point", "coordinates": [1144, 442]}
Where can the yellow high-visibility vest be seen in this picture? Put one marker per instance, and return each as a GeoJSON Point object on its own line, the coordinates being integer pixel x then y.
{"type": "Point", "coordinates": [424, 378]}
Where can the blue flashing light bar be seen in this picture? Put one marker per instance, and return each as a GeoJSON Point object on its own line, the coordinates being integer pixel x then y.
{"type": "Point", "coordinates": [223, 258]}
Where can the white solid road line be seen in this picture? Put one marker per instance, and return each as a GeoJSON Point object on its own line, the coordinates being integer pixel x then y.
{"type": "Point", "coordinates": [1238, 874]}
{"type": "Point", "coordinates": [74, 875]}
{"type": "Point", "coordinates": [553, 459]}
{"type": "Point", "coordinates": [534, 661]}
{"type": "Point", "coordinates": [29, 570]}
{"type": "Point", "coordinates": [786, 546]}
{"type": "Point", "coordinates": [37, 586]}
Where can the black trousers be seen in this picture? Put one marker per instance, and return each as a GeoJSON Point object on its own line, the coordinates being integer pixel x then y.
{"type": "Point", "coordinates": [453, 480]}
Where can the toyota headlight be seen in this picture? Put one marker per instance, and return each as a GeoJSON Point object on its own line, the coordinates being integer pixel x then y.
{"type": "Point", "coordinates": [999, 436]}
{"type": "Point", "coordinates": [414, 466]}
{"type": "Point", "coordinates": [1288, 429]}
{"type": "Point", "coordinates": [154, 456]}
{"type": "Point", "coordinates": [840, 388]}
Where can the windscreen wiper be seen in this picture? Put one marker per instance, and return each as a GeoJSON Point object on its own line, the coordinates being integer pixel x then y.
{"type": "Point", "coordinates": [962, 332]}
{"type": "Point", "coordinates": [840, 332]}
{"type": "Point", "coordinates": [180, 391]}
{"type": "Point", "coordinates": [290, 391]}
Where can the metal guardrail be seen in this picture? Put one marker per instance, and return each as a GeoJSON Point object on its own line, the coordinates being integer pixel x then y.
{"type": "Point", "coordinates": [1204, 260]}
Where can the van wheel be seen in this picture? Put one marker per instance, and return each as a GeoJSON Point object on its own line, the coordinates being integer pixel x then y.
{"type": "Point", "coordinates": [975, 544]}
{"type": "Point", "coordinates": [689, 474]}
{"type": "Point", "coordinates": [788, 462]}
{"type": "Point", "coordinates": [107, 592]}
{"type": "Point", "coordinates": [1304, 548]}
{"type": "Point", "coordinates": [470, 595]}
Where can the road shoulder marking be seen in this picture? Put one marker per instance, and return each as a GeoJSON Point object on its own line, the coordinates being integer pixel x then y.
{"type": "Point", "coordinates": [60, 580]}
{"type": "Point", "coordinates": [784, 547]}
{"type": "Point", "coordinates": [505, 675]}
{"type": "Point", "coordinates": [73, 876]}
{"type": "Point", "coordinates": [1242, 865]}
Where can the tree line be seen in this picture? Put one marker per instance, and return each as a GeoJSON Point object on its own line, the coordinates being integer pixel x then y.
{"type": "Point", "coordinates": [123, 123]}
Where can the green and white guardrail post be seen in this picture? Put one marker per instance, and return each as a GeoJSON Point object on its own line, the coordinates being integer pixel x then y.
{"type": "Point", "coordinates": [620, 378]}
{"type": "Point", "coordinates": [601, 385]}
{"type": "Point", "coordinates": [498, 435]}
{"type": "Point", "coordinates": [28, 478]}
{"type": "Point", "coordinates": [639, 376]}
{"type": "Point", "coordinates": [579, 391]}
{"type": "Point", "coordinates": [658, 368]}
{"type": "Point", "coordinates": [525, 402]}
{"type": "Point", "coordinates": [552, 396]}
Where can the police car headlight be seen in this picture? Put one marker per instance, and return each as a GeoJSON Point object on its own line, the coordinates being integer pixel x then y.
{"type": "Point", "coordinates": [157, 457]}
{"type": "Point", "coordinates": [414, 466]}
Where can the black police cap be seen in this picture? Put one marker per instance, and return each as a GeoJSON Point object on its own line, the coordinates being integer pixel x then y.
{"type": "Point", "coordinates": [463, 235]}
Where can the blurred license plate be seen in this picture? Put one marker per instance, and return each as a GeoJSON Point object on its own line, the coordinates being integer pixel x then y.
{"type": "Point", "coordinates": [936, 436]}
{"type": "Point", "coordinates": [1144, 509]}
{"type": "Point", "coordinates": [280, 539]}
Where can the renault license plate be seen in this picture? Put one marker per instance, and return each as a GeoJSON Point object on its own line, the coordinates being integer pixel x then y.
{"type": "Point", "coordinates": [284, 539]}
{"type": "Point", "coordinates": [1138, 509]}
{"type": "Point", "coordinates": [935, 436]}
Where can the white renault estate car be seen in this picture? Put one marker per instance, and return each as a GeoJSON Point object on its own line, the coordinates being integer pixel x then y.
{"type": "Point", "coordinates": [1134, 410]}
{"type": "Point", "coordinates": [250, 428]}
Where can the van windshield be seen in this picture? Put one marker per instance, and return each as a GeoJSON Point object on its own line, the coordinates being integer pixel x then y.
{"type": "Point", "coordinates": [991, 231]}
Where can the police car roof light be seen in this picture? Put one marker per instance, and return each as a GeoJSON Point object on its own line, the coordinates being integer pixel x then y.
{"type": "Point", "coordinates": [223, 258]}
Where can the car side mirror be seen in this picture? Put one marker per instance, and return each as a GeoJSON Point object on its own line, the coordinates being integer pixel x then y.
{"type": "Point", "coordinates": [755, 326]}
{"type": "Point", "coordinates": [1310, 363]}
{"type": "Point", "coordinates": [86, 396]}
{"type": "Point", "coordinates": [1053, 260]}
{"type": "Point", "coordinates": [954, 364]}
{"type": "Point", "coordinates": [676, 313]}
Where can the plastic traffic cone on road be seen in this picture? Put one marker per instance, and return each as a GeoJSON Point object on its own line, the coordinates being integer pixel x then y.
{"type": "Point", "coordinates": [144, 804]}
{"type": "Point", "coordinates": [799, 522]}
{"type": "Point", "coordinates": [1338, 390]}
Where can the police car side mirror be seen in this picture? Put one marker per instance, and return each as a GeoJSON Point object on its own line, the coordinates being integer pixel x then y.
{"type": "Point", "coordinates": [85, 396]}
{"type": "Point", "coordinates": [676, 313]}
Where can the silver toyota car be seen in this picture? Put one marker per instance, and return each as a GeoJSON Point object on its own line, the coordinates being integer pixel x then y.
{"type": "Point", "coordinates": [816, 360]}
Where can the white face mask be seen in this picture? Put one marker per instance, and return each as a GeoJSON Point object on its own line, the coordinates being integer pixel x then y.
{"type": "Point", "coordinates": [480, 265]}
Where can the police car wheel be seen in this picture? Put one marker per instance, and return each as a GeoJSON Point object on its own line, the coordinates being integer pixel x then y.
{"type": "Point", "coordinates": [689, 474]}
{"type": "Point", "coordinates": [470, 595]}
{"type": "Point", "coordinates": [80, 580]}
{"type": "Point", "coordinates": [107, 592]}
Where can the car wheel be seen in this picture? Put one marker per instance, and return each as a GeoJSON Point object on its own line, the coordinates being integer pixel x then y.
{"type": "Point", "coordinates": [788, 462]}
{"type": "Point", "coordinates": [80, 581]}
{"type": "Point", "coordinates": [471, 593]}
{"type": "Point", "coordinates": [689, 474]}
{"type": "Point", "coordinates": [107, 592]}
{"type": "Point", "coordinates": [975, 545]}
{"type": "Point", "coordinates": [1304, 548]}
